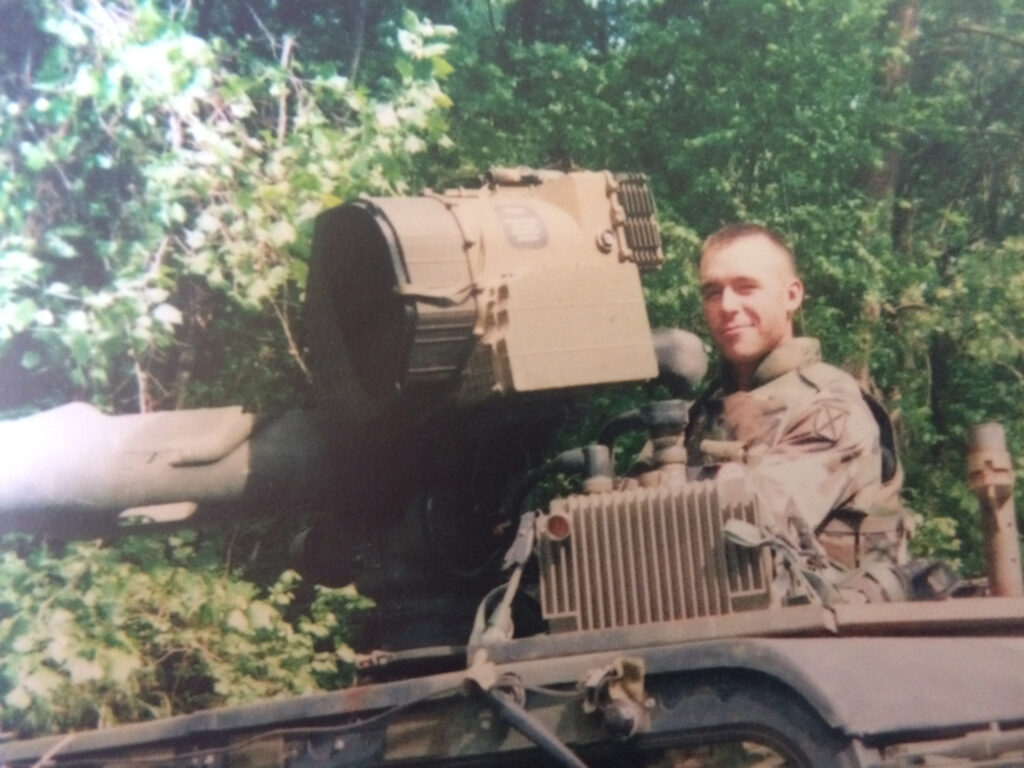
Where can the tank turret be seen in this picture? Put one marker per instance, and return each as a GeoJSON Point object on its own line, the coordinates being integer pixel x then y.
{"type": "Point", "coordinates": [448, 333]}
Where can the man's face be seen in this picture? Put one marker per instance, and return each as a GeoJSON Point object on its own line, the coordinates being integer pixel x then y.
{"type": "Point", "coordinates": [750, 292]}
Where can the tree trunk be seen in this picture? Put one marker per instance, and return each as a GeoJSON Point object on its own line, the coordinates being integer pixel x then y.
{"type": "Point", "coordinates": [882, 183]}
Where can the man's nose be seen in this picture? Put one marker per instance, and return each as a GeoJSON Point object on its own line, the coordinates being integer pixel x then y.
{"type": "Point", "coordinates": [730, 301]}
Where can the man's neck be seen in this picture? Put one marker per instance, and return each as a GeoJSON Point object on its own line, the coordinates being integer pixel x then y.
{"type": "Point", "coordinates": [793, 353]}
{"type": "Point", "coordinates": [742, 374]}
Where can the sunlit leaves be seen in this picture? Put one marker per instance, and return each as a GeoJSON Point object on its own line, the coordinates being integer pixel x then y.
{"type": "Point", "coordinates": [146, 154]}
{"type": "Point", "coordinates": [97, 636]}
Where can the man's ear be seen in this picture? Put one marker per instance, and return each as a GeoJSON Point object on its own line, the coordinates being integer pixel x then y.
{"type": "Point", "coordinates": [794, 294]}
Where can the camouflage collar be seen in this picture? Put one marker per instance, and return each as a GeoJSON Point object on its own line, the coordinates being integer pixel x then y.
{"type": "Point", "coordinates": [796, 353]}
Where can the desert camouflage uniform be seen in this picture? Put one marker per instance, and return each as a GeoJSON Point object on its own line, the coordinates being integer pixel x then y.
{"type": "Point", "coordinates": [812, 446]}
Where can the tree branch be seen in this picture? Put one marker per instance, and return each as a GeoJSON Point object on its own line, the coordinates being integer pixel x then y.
{"type": "Point", "coordinates": [264, 30]}
{"type": "Point", "coordinates": [287, 45]}
{"type": "Point", "coordinates": [357, 54]}
{"type": "Point", "coordinates": [157, 260]}
{"type": "Point", "coordinates": [898, 309]}
{"type": "Point", "coordinates": [1011, 369]}
{"type": "Point", "coordinates": [231, 548]}
{"type": "Point", "coordinates": [490, 18]}
{"type": "Point", "coordinates": [293, 348]}
{"type": "Point", "coordinates": [976, 29]}
{"type": "Point", "coordinates": [142, 388]}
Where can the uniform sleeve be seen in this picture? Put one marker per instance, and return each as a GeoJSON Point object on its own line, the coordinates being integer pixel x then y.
{"type": "Point", "coordinates": [827, 457]}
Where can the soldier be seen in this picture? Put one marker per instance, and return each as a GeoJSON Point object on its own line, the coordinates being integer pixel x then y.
{"type": "Point", "coordinates": [819, 450]}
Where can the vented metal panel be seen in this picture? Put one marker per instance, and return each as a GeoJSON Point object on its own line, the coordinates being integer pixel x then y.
{"type": "Point", "coordinates": [638, 223]}
{"type": "Point", "coordinates": [647, 555]}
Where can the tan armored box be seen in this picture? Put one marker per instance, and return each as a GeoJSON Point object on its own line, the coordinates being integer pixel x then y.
{"type": "Point", "coordinates": [528, 284]}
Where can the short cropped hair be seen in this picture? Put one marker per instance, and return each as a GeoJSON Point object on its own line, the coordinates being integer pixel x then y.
{"type": "Point", "coordinates": [733, 232]}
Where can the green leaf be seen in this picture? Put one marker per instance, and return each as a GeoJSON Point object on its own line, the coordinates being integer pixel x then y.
{"type": "Point", "coordinates": [83, 670]}
{"type": "Point", "coordinates": [238, 621]}
{"type": "Point", "coordinates": [81, 349]}
{"type": "Point", "coordinates": [31, 359]}
{"type": "Point", "coordinates": [25, 312]}
{"type": "Point", "coordinates": [441, 68]}
{"type": "Point", "coordinates": [299, 272]}
{"type": "Point", "coordinates": [36, 156]}
{"type": "Point", "coordinates": [281, 233]}
{"type": "Point", "coordinates": [18, 698]}
{"type": "Point", "coordinates": [261, 615]}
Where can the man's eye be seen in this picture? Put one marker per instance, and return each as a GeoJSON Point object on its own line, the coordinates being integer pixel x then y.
{"type": "Point", "coordinates": [709, 294]}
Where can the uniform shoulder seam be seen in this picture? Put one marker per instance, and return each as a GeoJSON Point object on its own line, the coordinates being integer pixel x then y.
{"type": "Point", "coordinates": [822, 375]}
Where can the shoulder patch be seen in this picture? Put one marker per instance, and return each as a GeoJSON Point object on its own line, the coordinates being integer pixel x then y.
{"type": "Point", "coordinates": [824, 423]}
{"type": "Point", "coordinates": [829, 420]}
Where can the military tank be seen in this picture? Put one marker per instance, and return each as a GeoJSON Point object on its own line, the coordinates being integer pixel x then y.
{"type": "Point", "coordinates": [648, 620]}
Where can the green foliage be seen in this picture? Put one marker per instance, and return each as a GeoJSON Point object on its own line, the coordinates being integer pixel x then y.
{"type": "Point", "coordinates": [95, 635]}
{"type": "Point", "coordinates": [143, 164]}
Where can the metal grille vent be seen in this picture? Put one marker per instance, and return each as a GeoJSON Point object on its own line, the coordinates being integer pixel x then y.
{"type": "Point", "coordinates": [646, 555]}
{"type": "Point", "coordinates": [638, 224]}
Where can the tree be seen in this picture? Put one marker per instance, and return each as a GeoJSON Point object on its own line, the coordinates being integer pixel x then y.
{"type": "Point", "coordinates": [148, 171]}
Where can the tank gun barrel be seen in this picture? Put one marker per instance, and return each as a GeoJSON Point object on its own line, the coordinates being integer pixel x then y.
{"type": "Point", "coordinates": [87, 467]}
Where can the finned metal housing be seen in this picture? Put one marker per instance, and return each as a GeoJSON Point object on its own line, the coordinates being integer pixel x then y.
{"type": "Point", "coordinates": [637, 225]}
{"type": "Point", "coordinates": [647, 555]}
